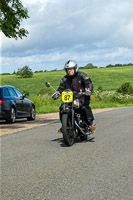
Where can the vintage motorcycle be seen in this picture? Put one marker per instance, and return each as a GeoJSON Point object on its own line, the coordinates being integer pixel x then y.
{"type": "Point", "coordinates": [73, 119]}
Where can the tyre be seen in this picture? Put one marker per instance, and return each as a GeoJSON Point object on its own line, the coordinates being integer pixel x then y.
{"type": "Point", "coordinates": [33, 114]}
{"type": "Point", "coordinates": [68, 132]}
{"type": "Point", "coordinates": [12, 117]}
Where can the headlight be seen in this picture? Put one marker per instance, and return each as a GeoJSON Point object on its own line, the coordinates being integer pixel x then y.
{"type": "Point", "coordinates": [76, 103]}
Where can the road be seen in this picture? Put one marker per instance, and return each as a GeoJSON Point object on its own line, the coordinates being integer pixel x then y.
{"type": "Point", "coordinates": [36, 165]}
{"type": "Point", "coordinates": [41, 119]}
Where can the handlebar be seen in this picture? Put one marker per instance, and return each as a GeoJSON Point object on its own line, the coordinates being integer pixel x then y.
{"type": "Point", "coordinates": [86, 93]}
{"type": "Point", "coordinates": [76, 94]}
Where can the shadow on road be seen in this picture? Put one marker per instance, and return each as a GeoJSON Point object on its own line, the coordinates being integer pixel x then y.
{"type": "Point", "coordinates": [77, 140]}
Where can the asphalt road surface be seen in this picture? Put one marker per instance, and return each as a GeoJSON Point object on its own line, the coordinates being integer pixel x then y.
{"type": "Point", "coordinates": [36, 165]}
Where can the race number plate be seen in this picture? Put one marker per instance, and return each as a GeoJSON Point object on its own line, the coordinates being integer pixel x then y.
{"type": "Point", "coordinates": [67, 96]}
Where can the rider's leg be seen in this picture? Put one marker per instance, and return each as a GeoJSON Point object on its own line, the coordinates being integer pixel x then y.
{"type": "Point", "coordinates": [88, 112]}
{"type": "Point", "coordinates": [89, 115]}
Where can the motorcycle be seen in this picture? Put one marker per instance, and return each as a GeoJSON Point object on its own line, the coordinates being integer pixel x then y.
{"type": "Point", "coordinates": [73, 121]}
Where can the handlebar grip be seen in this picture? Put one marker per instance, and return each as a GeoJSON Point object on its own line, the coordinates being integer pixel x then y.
{"type": "Point", "coordinates": [87, 92]}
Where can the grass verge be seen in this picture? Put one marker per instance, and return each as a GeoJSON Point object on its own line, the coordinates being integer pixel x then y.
{"type": "Point", "coordinates": [44, 104]}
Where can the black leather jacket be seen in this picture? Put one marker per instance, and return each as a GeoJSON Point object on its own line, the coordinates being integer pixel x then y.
{"type": "Point", "coordinates": [78, 82]}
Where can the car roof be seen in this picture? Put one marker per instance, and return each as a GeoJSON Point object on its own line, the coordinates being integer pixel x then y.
{"type": "Point", "coordinates": [6, 86]}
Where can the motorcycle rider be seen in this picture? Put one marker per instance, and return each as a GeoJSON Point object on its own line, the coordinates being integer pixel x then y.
{"type": "Point", "coordinates": [77, 81]}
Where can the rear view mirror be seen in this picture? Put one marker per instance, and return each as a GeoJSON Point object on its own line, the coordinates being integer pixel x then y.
{"type": "Point", "coordinates": [25, 96]}
{"type": "Point", "coordinates": [48, 84]}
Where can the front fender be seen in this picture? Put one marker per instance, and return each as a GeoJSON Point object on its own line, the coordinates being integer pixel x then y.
{"type": "Point", "coordinates": [70, 113]}
{"type": "Point", "coordinates": [66, 111]}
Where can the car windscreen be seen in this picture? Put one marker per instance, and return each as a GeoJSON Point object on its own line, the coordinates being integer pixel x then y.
{"type": "Point", "coordinates": [19, 94]}
{"type": "Point", "coordinates": [0, 92]}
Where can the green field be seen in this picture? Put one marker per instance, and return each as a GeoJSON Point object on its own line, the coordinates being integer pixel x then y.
{"type": "Point", "coordinates": [108, 78]}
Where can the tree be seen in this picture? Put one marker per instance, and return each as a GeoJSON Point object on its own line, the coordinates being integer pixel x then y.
{"type": "Point", "coordinates": [110, 65]}
{"type": "Point", "coordinates": [12, 13]}
{"type": "Point", "coordinates": [24, 72]}
{"type": "Point", "coordinates": [88, 66]}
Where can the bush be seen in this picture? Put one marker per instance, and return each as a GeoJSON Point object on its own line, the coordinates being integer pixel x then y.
{"type": "Point", "coordinates": [125, 88]}
{"type": "Point", "coordinates": [114, 97]}
{"type": "Point", "coordinates": [100, 89]}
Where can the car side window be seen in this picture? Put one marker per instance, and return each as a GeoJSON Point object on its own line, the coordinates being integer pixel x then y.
{"type": "Point", "coordinates": [6, 93]}
{"type": "Point", "coordinates": [19, 94]}
{"type": "Point", "coordinates": [12, 92]}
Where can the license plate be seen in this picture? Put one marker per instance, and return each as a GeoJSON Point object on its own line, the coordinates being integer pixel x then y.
{"type": "Point", "coordinates": [67, 96]}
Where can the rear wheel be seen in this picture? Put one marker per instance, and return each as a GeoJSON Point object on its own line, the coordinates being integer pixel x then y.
{"type": "Point", "coordinates": [12, 117]}
{"type": "Point", "coordinates": [68, 132]}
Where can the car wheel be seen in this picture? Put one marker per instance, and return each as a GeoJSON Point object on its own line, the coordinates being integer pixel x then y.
{"type": "Point", "coordinates": [12, 117]}
{"type": "Point", "coordinates": [33, 114]}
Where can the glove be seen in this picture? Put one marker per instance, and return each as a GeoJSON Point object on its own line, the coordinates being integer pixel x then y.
{"type": "Point", "coordinates": [56, 95]}
{"type": "Point", "coordinates": [87, 92]}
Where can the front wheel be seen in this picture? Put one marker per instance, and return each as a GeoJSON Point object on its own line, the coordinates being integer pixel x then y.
{"type": "Point", "coordinates": [33, 114]}
{"type": "Point", "coordinates": [67, 129]}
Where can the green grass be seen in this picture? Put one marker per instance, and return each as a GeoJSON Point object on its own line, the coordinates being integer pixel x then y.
{"type": "Point", "coordinates": [111, 78]}
{"type": "Point", "coordinates": [34, 84]}
{"type": "Point", "coordinates": [44, 104]}
{"type": "Point", "coordinates": [108, 78]}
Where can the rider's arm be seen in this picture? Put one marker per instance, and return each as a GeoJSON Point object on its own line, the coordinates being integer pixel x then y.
{"type": "Point", "coordinates": [88, 84]}
{"type": "Point", "coordinates": [87, 81]}
{"type": "Point", "coordinates": [62, 85]}
{"type": "Point", "coordinates": [60, 89]}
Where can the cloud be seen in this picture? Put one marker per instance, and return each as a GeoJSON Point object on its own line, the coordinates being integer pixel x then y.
{"type": "Point", "coordinates": [56, 60]}
{"type": "Point", "coordinates": [96, 31]}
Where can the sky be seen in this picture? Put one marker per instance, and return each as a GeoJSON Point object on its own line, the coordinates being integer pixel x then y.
{"type": "Point", "coordinates": [87, 31]}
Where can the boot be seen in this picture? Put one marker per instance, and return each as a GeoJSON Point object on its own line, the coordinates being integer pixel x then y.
{"type": "Point", "coordinates": [59, 131]}
{"type": "Point", "coordinates": [92, 128]}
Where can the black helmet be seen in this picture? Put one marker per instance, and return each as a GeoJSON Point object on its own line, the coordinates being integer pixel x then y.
{"type": "Point", "coordinates": [71, 64]}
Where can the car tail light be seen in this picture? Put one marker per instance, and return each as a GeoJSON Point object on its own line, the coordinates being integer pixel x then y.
{"type": "Point", "coordinates": [2, 101]}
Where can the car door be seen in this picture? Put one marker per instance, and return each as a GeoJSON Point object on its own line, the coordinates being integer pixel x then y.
{"type": "Point", "coordinates": [18, 102]}
{"type": "Point", "coordinates": [25, 103]}
{"type": "Point", "coordinates": [27, 106]}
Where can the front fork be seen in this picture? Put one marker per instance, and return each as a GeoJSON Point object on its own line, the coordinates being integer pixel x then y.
{"type": "Point", "coordinates": [72, 117]}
